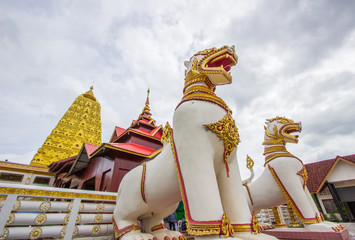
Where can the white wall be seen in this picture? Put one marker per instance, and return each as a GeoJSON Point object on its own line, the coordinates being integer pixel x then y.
{"type": "Point", "coordinates": [343, 171]}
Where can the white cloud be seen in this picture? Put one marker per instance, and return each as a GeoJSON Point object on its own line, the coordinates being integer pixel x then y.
{"type": "Point", "coordinates": [295, 59]}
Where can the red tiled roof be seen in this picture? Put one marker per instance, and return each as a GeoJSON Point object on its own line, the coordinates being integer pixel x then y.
{"type": "Point", "coordinates": [119, 131]}
{"type": "Point", "coordinates": [158, 132]}
{"type": "Point", "coordinates": [133, 147]}
{"type": "Point", "coordinates": [319, 171]}
{"type": "Point", "coordinates": [90, 148]}
{"type": "Point", "coordinates": [55, 166]}
{"type": "Point", "coordinates": [350, 158]}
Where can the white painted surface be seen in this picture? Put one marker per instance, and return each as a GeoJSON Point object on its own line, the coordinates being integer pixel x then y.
{"type": "Point", "coordinates": [343, 171]}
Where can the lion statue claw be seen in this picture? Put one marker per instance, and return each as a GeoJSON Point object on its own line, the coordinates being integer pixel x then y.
{"type": "Point", "coordinates": [197, 165]}
{"type": "Point", "coordinates": [284, 179]}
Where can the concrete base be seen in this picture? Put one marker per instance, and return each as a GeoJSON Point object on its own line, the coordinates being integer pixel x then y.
{"type": "Point", "coordinates": [303, 234]}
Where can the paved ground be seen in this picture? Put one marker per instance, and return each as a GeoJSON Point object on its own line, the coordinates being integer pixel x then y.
{"type": "Point", "coordinates": [351, 229]}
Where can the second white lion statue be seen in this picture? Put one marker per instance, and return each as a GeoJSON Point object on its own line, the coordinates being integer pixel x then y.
{"type": "Point", "coordinates": [198, 165]}
{"type": "Point", "coordinates": [284, 180]}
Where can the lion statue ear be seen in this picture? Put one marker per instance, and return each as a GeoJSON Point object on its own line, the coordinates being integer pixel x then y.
{"type": "Point", "coordinates": [188, 65]}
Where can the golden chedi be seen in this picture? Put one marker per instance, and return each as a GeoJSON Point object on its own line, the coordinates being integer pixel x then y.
{"type": "Point", "coordinates": [81, 123]}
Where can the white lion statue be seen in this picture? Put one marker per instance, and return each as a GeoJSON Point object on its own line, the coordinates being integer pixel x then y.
{"type": "Point", "coordinates": [284, 179]}
{"type": "Point", "coordinates": [198, 165]}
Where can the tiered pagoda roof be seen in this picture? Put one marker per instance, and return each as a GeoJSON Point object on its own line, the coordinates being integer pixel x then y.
{"type": "Point", "coordinates": [141, 139]}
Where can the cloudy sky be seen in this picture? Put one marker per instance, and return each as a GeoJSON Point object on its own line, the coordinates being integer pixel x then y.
{"type": "Point", "coordinates": [296, 59]}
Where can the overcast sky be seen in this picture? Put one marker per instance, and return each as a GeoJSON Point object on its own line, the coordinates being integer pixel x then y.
{"type": "Point", "coordinates": [296, 59]}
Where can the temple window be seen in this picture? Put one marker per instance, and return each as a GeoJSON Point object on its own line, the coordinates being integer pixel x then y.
{"type": "Point", "coordinates": [41, 180]}
{"type": "Point", "coordinates": [4, 176]}
{"type": "Point", "coordinates": [329, 206]}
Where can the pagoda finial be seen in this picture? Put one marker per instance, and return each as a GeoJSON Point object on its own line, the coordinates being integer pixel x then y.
{"type": "Point", "coordinates": [146, 111]}
{"type": "Point", "coordinates": [92, 87]}
{"type": "Point", "coordinates": [147, 102]}
{"type": "Point", "coordinates": [146, 107]}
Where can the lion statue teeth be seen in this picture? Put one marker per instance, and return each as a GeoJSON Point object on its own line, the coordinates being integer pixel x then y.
{"type": "Point", "coordinates": [197, 165]}
{"type": "Point", "coordinates": [284, 179]}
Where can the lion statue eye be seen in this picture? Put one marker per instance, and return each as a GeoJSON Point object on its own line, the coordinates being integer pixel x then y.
{"type": "Point", "coordinates": [284, 121]}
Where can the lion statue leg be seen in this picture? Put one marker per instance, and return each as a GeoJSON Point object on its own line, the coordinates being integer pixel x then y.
{"type": "Point", "coordinates": [149, 193]}
{"type": "Point", "coordinates": [211, 195]}
{"type": "Point", "coordinates": [155, 225]}
{"type": "Point", "coordinates": [298, 196]}
{"type": "Point", "coordinates": [240, 216]}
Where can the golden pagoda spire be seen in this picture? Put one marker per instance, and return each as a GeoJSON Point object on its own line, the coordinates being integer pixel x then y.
{"type": "Point", "coordinates": [146, 107]}
{"type": "Point", "coordinates": [81, 123]}
{"type": "Point", "coordinates": [146, 111]}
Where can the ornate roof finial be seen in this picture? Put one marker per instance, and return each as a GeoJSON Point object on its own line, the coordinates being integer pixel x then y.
{"type": "Point", "coordinates": [146, 111]}
{"type": "Point", "coordinates": [147, 101]}
{"type": "Point", "coordinates": [147, 108]}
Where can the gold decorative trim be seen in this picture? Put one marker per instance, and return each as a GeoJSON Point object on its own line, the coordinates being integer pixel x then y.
{"type": "Point", "coordinates": [144, 170]}
{"type": "Point", "coordinates": [248, 190]}
{"type": "Point", "coordinates": [196, 79]}
{"type": "Point", "coordinates": [11, 219]}
{"type": "Point", "coordinates": [66, 218]}
{"type": "Point", "coordinates": [292, 216]}
{"type": "Point", "coordinates": [250, 162]}
{"type": "Point", "coordinates": [282, 154]}
{"type": "Point", "coordinates": [100, 207]}
{"type": "Point", "coordinates": [226, 227]}
{"type": "Point", "coordinates": [290, 201]}
{"type": "Point", "coordinates": [45, 206]}
{"type": "Point", "coordinates": [70, 206]}
{"type": "Point", "coordinates": [241, 227]}
{"type": "Point", "coordinates": [4, 234]}
{"type": "Point", "coordinates": [17, 204]}
{"type": "Point", "coordinates": [75, 232]}
{"type": "Point", "coordinates": [24, 167]}
{"type": "Point", "coordinates": [303, 173]}
{"type": "Point", "coordinates": [167, 132]}
{"type": "Point", "coordinates": [131, 152]}
{"type": "Point", "coordinates": [255, 225]}
{"type": "Point", "coordinates": [81, 207]}
{"type": "Point", "coordinates": [63, 232]}
{"type": "Point", "coordinates": [35, 233]}
{"type": "Point", "coordinates": [228, 132]}
{"type": "Point", "coordinates": [40, 219]}
{"type": "Point", "coordinates": [120, 232]}
{"type": "Point", "coordinates": [275, 149]}
{"type": "Point", "coordinates": [158, 227]}
{"type": "Point", "coordinates": [98, 218]}
{"type": "Point", "coordinates": [96, 229]}
{"type": "Point", "coordinates": [276, 213]}
{"type": "Point", "coordinates": [35, 192]}
{"type": "Point", "coordinates": [202, 93]}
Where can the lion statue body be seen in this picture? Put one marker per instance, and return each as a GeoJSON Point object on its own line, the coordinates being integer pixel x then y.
{"type": "Point", "coordinates": [284, 179]}
{"type": "Point", "coordinates": [198, 165]}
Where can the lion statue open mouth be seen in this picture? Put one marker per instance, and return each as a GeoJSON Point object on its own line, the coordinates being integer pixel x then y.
{"type": "Point", "coordinates": [197, 165]}
{"type": "Point", "coordinates": [284, 179]}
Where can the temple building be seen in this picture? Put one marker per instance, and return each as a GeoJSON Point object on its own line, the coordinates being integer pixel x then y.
{"type": "Point", "coordinates": [332, 183]}
{"type": "Point", "coordinates": [18, 173]}
{"type": "Point", "coordinates": [81, 123]}
{"type": "Point", "coordinates": [102, 167]}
